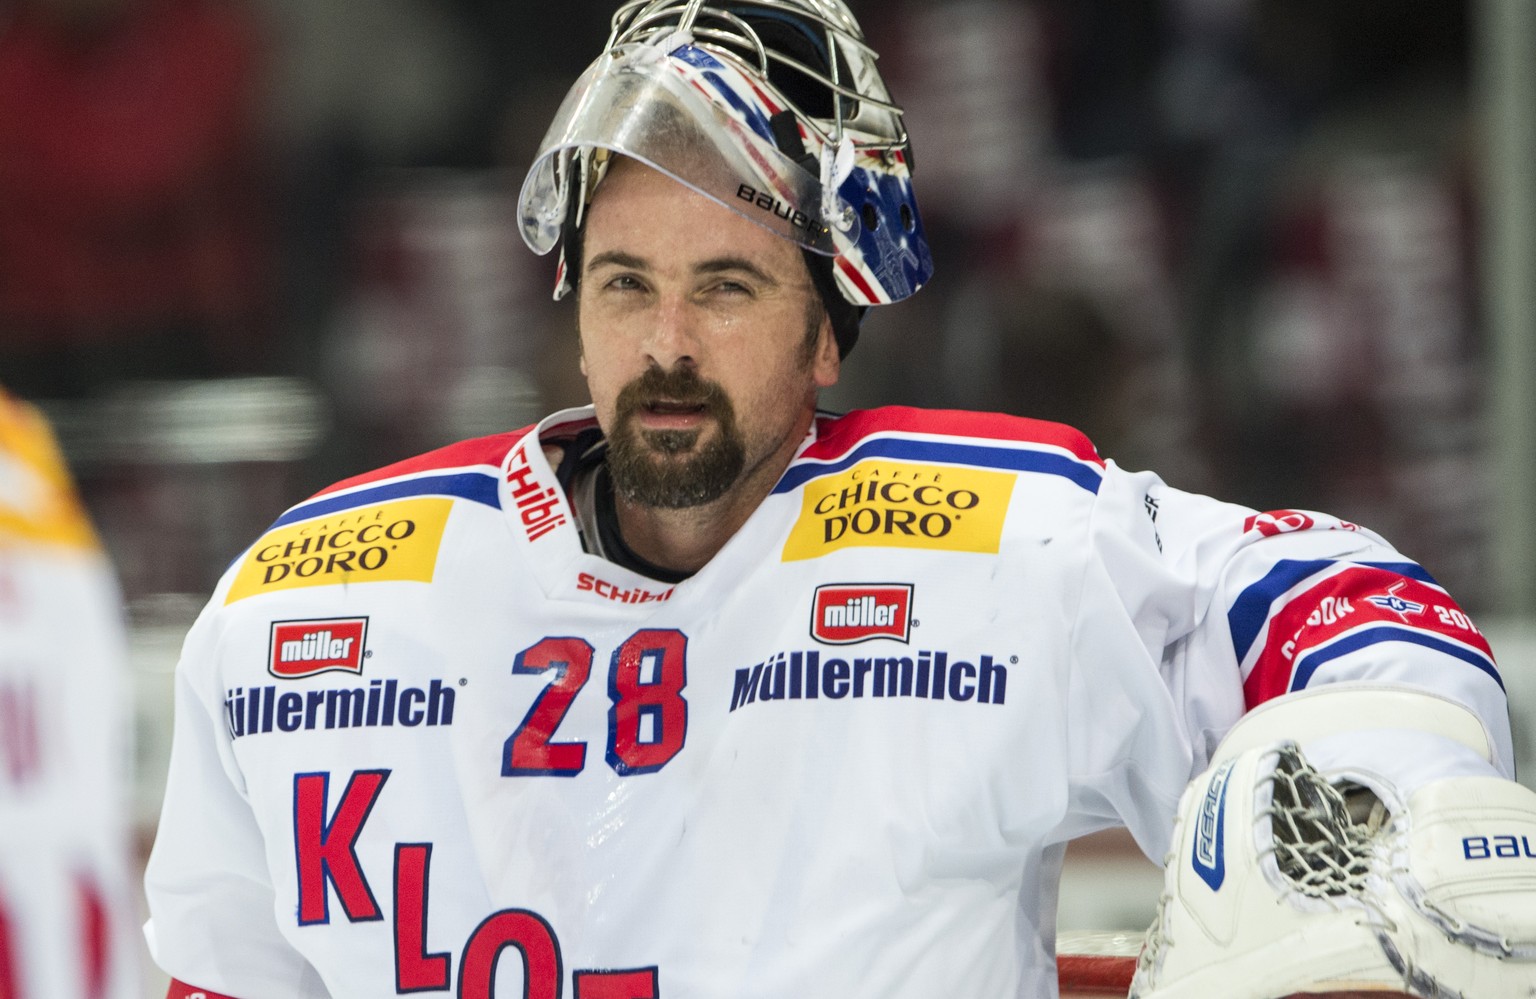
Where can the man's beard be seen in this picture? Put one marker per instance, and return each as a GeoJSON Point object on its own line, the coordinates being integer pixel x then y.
{"type": "Point", "coordinates": [661, 468]}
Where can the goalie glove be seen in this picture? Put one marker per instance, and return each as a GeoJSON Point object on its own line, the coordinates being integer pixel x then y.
{"type": "Point", "coordinates": [1276, 886]}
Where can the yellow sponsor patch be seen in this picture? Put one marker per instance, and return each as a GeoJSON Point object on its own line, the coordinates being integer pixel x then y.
{"type": "Point", "coordinates": [372, 544]}
{"type": "Point", "coordinates": [892, 504]}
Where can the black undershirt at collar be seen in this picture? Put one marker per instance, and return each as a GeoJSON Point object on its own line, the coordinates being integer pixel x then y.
{"type": "Point", "coordinates": [613, 542]}
{"type": "Point", "coordinates": [585, 456]}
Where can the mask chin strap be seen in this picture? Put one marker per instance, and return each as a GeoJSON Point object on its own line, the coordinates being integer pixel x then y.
{"type": "Point", "coordinates": [836, 165]}
{"type": "Point", "coordinates": [589, 167]}
{"type": "Point", "coordinates": [845, 316]}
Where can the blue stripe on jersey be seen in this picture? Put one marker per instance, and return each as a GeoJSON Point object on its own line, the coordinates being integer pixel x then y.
{"type": "Point", "coordinates": [1387, 633]}
{"type": "Point", "coordinates": [1251, 609]}
{"type": "Point", "coordinates": [476, 486]}
{"type": "Point", "coordinates": [1011, 459]}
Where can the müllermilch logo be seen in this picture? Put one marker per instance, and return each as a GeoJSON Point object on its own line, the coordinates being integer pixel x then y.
{"type": "Point", "coordinates": [304, 648]}
{"type": "Point", "coordinates": [934, 675]}
{"type": "Point", "coordinates": [844, 613]}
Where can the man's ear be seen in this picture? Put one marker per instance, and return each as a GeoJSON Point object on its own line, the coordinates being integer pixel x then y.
{"type": "Point", "coordinates": [827, 364]}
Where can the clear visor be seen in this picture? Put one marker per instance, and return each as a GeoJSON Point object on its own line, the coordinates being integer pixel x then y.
{"type": "Point", "coordinates": [638, 103]}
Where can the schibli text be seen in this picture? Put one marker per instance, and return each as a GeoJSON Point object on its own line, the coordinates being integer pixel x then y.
{"type": "Point", "coordinates": [588, 583]}
{"type": "Point", "coordinates": [540, 507]}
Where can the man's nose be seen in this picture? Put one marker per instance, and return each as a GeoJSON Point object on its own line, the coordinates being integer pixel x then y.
{"type": "Point", "coordinates": [673, 334]}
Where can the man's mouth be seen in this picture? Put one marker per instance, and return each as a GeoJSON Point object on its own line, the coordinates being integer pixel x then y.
{"type": "Point", "coordinates": [672, 414]}
{"type": "Point", "coordinates": [668, 407]}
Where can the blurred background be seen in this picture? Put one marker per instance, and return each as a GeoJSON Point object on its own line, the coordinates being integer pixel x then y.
{"type": "Point", "coordinates": [1280, 251]}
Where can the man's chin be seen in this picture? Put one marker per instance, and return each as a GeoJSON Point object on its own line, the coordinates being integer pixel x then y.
{"type": "Point", "coordinates": [672, 445]}
{"type": "Point", "coordinates": [674, 474]}
{"type": "Point", "coordinates": [673, 463]}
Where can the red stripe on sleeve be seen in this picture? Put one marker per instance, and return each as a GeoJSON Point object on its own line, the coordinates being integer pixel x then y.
{"type": "Point", "coordinates": [1358, 596]}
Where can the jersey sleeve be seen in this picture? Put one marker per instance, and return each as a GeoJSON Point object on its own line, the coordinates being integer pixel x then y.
{"type": "Point", "coordinates": [1194, 611]}
{"type": "Point", "coordinates": [211, 903]}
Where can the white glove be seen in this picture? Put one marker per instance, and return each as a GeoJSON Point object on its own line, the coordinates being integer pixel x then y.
{"type": "Point", "coordinates": [1273, 888]}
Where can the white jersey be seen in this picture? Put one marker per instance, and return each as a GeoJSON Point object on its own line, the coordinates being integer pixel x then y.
{"type": "Point", "coordinates": [66, 918]}
{"type": "Point", "coordinates": [425, 742]}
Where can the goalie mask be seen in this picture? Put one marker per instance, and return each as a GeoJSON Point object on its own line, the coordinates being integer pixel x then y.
{"type": "Point", "coordinates": [772, 108]}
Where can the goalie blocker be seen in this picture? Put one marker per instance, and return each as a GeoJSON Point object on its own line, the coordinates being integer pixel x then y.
{"type": "Point", "coordinates": [1283, 882]}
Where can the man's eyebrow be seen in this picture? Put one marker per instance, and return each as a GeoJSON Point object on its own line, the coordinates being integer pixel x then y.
{"type": "Point", "coordinates": [715, 265]}
{"type": "Point", "coordinates": [720, 265]}
{"type": "Point", "coordinates": [617, 258]}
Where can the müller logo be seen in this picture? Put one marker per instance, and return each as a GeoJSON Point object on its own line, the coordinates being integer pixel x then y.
{"type": "Point", "coordinates": [304, 648]}
{"type": "Point", "coordinates": [844, 613]}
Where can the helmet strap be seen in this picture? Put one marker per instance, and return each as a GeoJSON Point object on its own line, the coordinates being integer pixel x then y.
{"type": "Point", "coordinates": [846, 317]}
